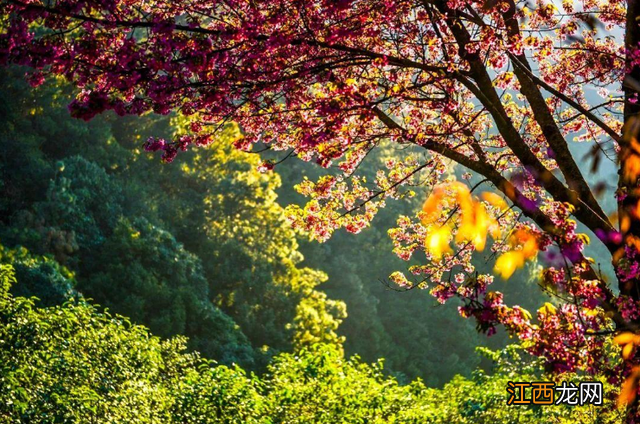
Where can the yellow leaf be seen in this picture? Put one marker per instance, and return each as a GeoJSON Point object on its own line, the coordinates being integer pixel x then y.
{"type": "Point", "coordinates": [528, 242]}
{"type": "Point", "coordinates": [627, 350]}
{"type": "Point", "coordinates": [437, 242]}
{"type": "Point", "coordinates": [628, 389]}
{"type": "Point", "coordinates": [508, 262]}
{"type": "Point", "coordinates": [530, 248]}
{"type": "Point", "coordinates": [432, 207]}
{"type": "Point", "coordinates": [624, 338]}
{"type": "Point", "coordinates": [475, 225]}
{"type": "Point", "coordinates": [548, 309]}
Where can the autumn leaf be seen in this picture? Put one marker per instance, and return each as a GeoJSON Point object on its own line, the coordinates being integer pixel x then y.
{"type": "Point", "coordinates": [475, 223]}
{"type": "Point", "coordinates": [508, 262]}
{"type": "Point", "coordinates": [629, 388]}
{"type": "Point", "coordinates": [628, 341]}
{"type": "Point", "coordinates": [437, 242]}
{"type": "Point", "coordinates": [524, 246]}
{"type": "Point", "coordinates": [625, 338]}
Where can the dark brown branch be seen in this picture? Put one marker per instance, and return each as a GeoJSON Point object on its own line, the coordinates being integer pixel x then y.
{"type": "Point", "coordinates": [577, 106]}
{"type": "Point", "coordinates": [107, 22]}
{"type": "Point", "coordinates": [486, 94]}
{"type": "Point", "coordinates": [548, 125]}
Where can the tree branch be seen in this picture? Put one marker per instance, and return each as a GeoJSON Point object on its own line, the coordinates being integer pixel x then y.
{"type": "Point", "coordinates": [515, 196]}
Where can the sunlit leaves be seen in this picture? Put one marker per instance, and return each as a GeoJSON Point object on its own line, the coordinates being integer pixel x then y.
{"type": "Point", "coordinates": [628, 392]}
{"type": "Point", "coordinates": [437, 242]}
{"type": "Point", "coordinates": [548, 309]}
{"type": "Point", "coordinates": [524, 246]}
{"type": "Point", "coordinates": [129, 375]}
{"type": "Point", "coordinates": [508, 263]}
{"type": "Point", "coordinates": [474, 222]}
{"type": "Point", "coordinates": [334, 203]}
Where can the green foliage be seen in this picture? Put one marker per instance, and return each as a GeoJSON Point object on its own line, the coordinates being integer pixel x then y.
{"type": "Point", "coordinates": [82, 199]}
{"type": "Point", "coordinates": [162, 276]}
{"type": "Point", "coordinates": [41, 276]}
{"type": "Point", "coordinates": [227, 212]}
{"type": "Point", "coordinates": [74, 364]}
{"type": "Point", "coordinates": [7, 279]}
{"type": "Point", "coordinates": [317, 320]}
{"type": "Point", "coordinates": [321, 386]}
{"type": "Point", "coordinates": [198, 248]}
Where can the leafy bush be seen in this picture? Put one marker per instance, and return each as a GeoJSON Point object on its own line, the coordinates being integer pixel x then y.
{"type": "Point", "coordinates": [73, 363]}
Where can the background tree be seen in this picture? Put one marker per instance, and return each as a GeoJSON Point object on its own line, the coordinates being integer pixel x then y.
{"type": "Point", "coordinates": [216, 212]}
{"type": "Point", "coordinates": [102, 223]}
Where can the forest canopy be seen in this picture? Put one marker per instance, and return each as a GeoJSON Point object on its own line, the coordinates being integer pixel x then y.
{"type": "Point", "coordinates": [213, 260]}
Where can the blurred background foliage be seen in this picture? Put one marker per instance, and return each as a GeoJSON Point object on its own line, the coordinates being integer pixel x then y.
{"type": "Point", "coordinates": [198, 254]}
{"type": "Point", "coordinates": [200, 247]}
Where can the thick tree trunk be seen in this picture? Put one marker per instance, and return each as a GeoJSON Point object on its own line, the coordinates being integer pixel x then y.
{"type": "Point", "coordinates": [628, 188]}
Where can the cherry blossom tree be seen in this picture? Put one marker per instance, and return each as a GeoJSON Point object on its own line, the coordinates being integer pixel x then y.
{"type": "Point", "coordinates": [498, 87]}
